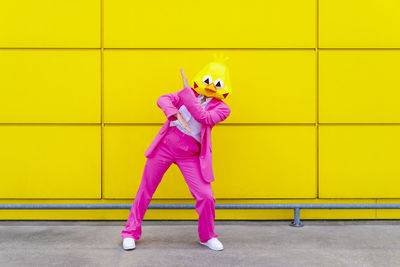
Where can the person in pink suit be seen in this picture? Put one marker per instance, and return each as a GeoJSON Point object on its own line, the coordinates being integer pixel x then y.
{"type": "Point", "coordinates": [185, 140]}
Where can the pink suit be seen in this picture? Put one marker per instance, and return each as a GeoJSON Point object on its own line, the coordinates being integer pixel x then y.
{"type": "Point", "coordinates": [193, 159]}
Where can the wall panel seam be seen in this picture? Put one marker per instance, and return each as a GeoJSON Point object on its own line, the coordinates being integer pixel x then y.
{"type": "Point", "coordinates": [102, 94]}
{"type": "Point", "coordinates": [317, 96]}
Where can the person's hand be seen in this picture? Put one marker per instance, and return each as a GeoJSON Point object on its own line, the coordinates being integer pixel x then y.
{"type": "Point", "coordinates": [179, 115]}
{"type": "Point", "coordinates": [183, 122]}
{"type": "Point", "coordinates": [185, 82]}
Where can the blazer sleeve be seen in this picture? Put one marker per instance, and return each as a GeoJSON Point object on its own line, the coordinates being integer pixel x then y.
{"type": "Point", "coordinates": [209, 117]}
{"type": "Point", "coordinates": [168, 104]}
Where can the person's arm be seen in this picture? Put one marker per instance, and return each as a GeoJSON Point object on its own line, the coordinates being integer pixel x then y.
{"type": "Point", "coordinates": [168, 104]}
{"type": "Point", "coordinates": [209, 117]}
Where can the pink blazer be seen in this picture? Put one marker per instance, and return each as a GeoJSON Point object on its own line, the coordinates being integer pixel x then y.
{"type": "Point", "coordinates": [215, 111]}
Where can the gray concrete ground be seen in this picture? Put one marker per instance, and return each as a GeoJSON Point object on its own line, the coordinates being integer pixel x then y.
{"type": "Point", "coordinates": [175, 243]}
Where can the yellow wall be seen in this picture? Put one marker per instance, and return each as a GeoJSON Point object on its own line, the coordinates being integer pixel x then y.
{"type": "Point", "coordinates": [315, 104]}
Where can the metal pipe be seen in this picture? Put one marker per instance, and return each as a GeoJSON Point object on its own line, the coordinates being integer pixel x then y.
{"type": "Point", "coordinates": [296, 222]}
{"type": "Point", "coordinates": [296, 207]}
{"type": "Point", "coordinates": [191, 206]}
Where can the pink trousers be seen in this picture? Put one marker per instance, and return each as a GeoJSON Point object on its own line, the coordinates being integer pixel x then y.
{"type": "Point", "coordinates": [183, 150]}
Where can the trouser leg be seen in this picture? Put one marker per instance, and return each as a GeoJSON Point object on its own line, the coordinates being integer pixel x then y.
{"type": "Point", "coordinates": [202, 192]}
{"type": "Point", "coordinates": [154, 170]}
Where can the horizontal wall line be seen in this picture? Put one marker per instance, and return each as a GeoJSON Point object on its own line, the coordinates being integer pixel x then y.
{"type": "Point", "coordinates": [49, 123]}
{"type": "Point", "coordinates": [203, 48]}
{"type": "Point", "coordinates": [210, 48]}
{"type": "Point", "coordinates": [359, 48]}
{"type": "Point", "coordinates": [153, 48]}
{"type": "Point", "coordinates": [358, 123]}
{"type": "Point", "coordinates": [148, 124]}
{"type": "Point", "coordinates": [53, 48]}
{"type": "Point", "coordinates": [221, 124]}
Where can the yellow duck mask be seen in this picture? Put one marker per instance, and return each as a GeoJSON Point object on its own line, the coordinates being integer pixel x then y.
{"type": "Point", "coordinates": [213, 80]}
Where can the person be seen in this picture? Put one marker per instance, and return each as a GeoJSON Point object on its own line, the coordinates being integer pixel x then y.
{"type": "Point", "coordinates": [184, 140]}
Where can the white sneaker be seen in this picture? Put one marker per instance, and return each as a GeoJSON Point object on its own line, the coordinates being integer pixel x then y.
{"type": "Point", "coordinates": [214, 244]}
{"type": "Point", "coordinates": [129, 243]}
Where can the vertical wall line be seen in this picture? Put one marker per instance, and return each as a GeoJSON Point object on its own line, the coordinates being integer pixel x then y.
{"type": "Point", "coordinates": [102, 93]}
{"type": "Point", "coordinates": [317, 92]}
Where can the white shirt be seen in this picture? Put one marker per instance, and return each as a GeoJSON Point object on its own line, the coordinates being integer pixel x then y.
{"type": "Point", "coordinates": [194, 125]}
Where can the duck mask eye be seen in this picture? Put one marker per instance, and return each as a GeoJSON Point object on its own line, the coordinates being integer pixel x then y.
{"type": "Point", "coordinates": [219, 84]}
{"type": "Point", "coordinates": [207, 80]}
